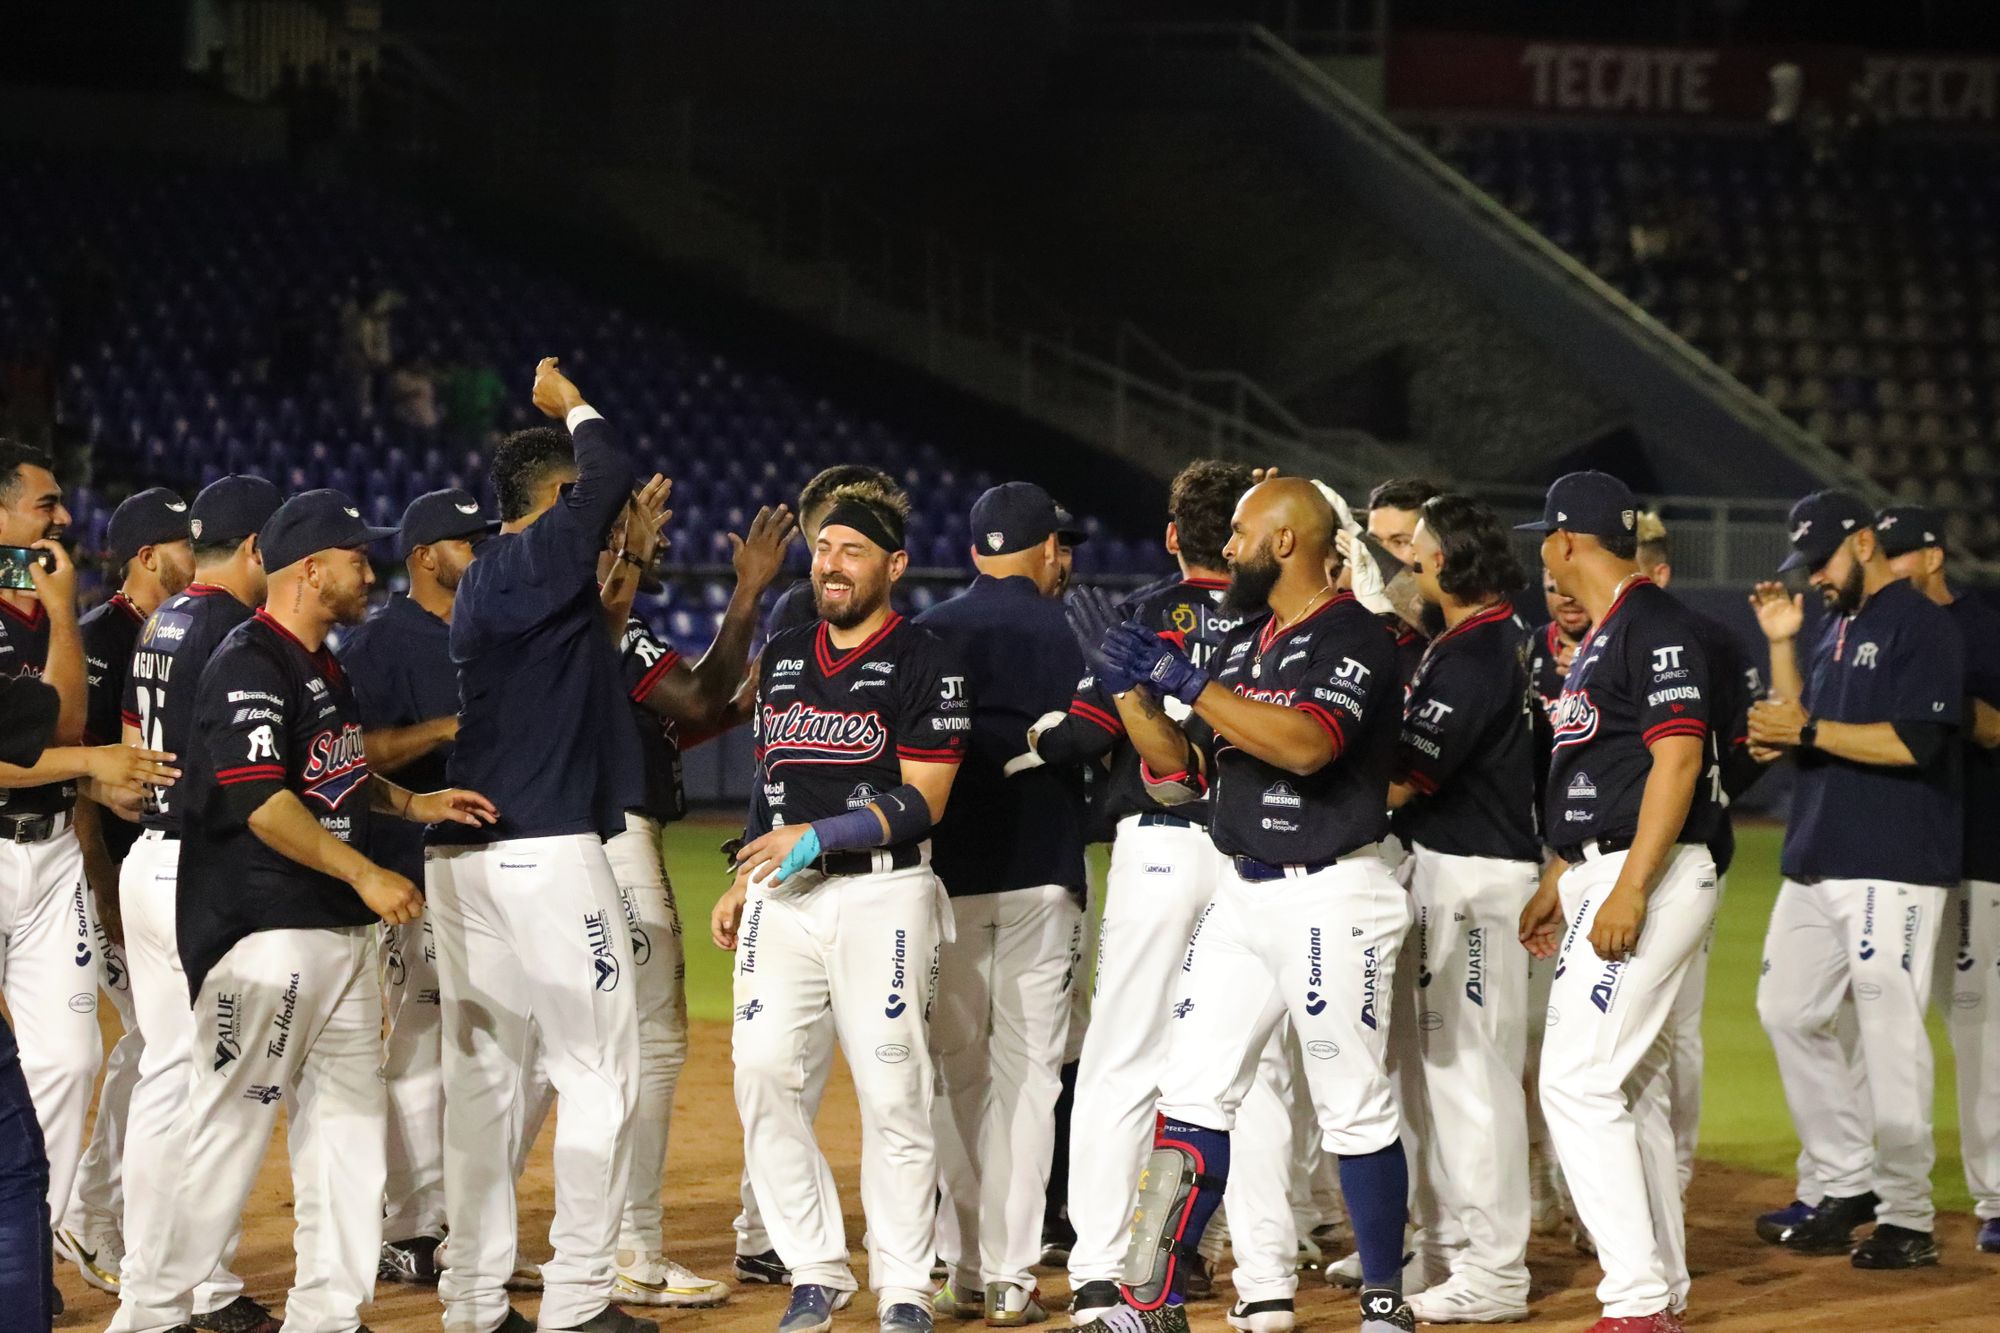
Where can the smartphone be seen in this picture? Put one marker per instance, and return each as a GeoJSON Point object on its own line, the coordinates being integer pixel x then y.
{"type": "Point", "coordinates": [14, 562]}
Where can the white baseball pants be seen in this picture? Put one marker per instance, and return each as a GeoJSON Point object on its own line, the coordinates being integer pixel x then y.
{"type": "Point", "coordinates": [1472, 989]}
{"type": "Point", "coordinates": [531, 938]}
{"type": "Point", "coordinates": [48, 976]}
{"type": "Point", "coordinates": [1970, 987]}
{"type": "Point", "coordinates": [1685, 1043]}
{"type": "Point", "coordinates": [146, 886]}
{"type": "Point", "coordinates": [97, 1199]}
{"type": "Point", "coordinates": [290, 1017]}
{"type": "Point", "coordinates": [413, 1069]}
{"type": "Point", "coordinates": [1878, 940]}
{"type": "Point", "coordinates": [864, 949]}
{"type": "Point", "coordinates": [752, 1236]}
{"type": "Point", "coordinates": [1263, 1232]}
{"type": "Point", "coordinates": [997, 1037]}
{"type": "Point", "coordinates": [1605, 1058]}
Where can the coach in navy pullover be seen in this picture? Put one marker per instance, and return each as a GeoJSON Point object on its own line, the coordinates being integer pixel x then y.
{"type": "Point", "coordinates": [545, 730]}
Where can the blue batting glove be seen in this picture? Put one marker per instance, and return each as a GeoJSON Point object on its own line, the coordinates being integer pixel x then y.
{"type": "Point", "coordinates": [804, 852]}
{"type": "Point", "coordinates": [1149, 659]}
{"type": "Point", "coordinates": [1091, 616]}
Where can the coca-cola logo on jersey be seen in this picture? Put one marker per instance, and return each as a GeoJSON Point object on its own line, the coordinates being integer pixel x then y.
{"type": "Point", "coordinates": [1574, 718]}
{"type": "Point", "coordinates": [336, 763]}
{"type": "Point", "coordinates": [803, 733]}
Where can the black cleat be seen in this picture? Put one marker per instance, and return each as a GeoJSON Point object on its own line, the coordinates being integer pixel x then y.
{"type": "Point", "coordinates": [1830, 1229]}
{"type": "Point", "coordinates": [1090, 1300]}
{"type": "Point", "coordinates": [763, 1270]}
{"type": "Point", "coordinates": [1123, 1318]}
{"type": "Point", "coordinates": [1197, 1282]}
{"type": "Point", "coordinates": [241, 1315]}
{"type": "Point", "coordinates": [1896, 1247]}
{"type": "Point", "coordinates": [1773, 1227]}
{"type": "Point", "coordinates": [413, 1260]}
{"type": "Point", "coordinates": [1383, 1310]}
{"type": "Point", "coordinates": [610, 1319]}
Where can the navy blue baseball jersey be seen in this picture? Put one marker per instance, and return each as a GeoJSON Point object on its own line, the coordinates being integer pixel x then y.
{"type": "Point", "coordinates": [1187, 611]}
{"type": "Point", "coordinates": [1641, 676]}
{"type": "Point", "coordinates": [1544, 642]}
{"type": "Point", "coordinates": [1737, 684]}
{"type": "Point", "coordinates": [643, 658]}
{"type": "Point", "coordinates": [1467, 743]}
{"type": "Point", "coordinates": [544, 730]}
{"type": "Point", "coordinates": [1979, 632]}
{"type": "Point", "coordinates": [174, 646]}
{"type": "Point", "coordinates": [1338, 667]}
{"type": "Point", "coordinates": [1020, 662]}
{"type": "Point", "coordinates": [1897, 659]}
{"type": "Point", "coordinates": [24, 651]}
{"type": "Point", "coordinates": [110, 630]}
{"type": "Point", "coordinates": [832, 726]}
{"type": "Point", "coordinates": [270, 716]}
{"type": "Point", "coordinates": [1410, 647]}
{"type": "Point", "coordinates": [398, 662]}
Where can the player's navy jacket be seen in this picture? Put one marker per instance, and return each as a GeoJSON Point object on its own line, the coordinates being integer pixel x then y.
{"type": "Point", "coordinates": [643, 657]}
{"type": "Point", "coordinates": [174, 648]}
{"type": "Point", "coordinates": [270, 716]}
{"type": "Point", "coordinates": [1337, 666]}
{"type": "Point", "coordinates": [1640, 676]}
{"type": "Point", "coordinates": [24, 651]}
{"type": "Point", "coordinates": [544, 731]}
{"type": "Point", "coordinates": [1979, 631]}
{"type": "Point", "coordinates": [1467, 743]}
{"type": "Point", "coordinates": [1185, 611]}
{"type": "Point", "coordinates": [398, 662]}
{"type": "Point", "coordinates": [109, 630]}
{"type": "Point", "coordinates": [1021, 661]}
{"type": "Point", "coordinates": [832, 727]}
{"type": "Point", "coordinates": [1897, 659]}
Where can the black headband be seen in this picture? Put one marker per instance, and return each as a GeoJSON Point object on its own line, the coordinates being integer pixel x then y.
{"type": "Point", "coordinates": [879, 524]}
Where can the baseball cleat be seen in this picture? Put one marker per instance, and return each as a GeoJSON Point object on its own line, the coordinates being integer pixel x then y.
{"type": "Point", "coordinates": [1055, 1246]}
{"type": "Point", "coordinates": [903, 1317]}
{"type": "Point", "coordinates": [1419, 1272]}
{"type": "Point", "coordinates": [1773, 1227]}
{"type": "Point", "coordinates": [525, 1277]}
{"type": "Point", "coordinates": [1455, 1302]}
{"type": "Point", "coordinates": [1666, 1321]}
{"type": "Point", "coordinates": [949, 1304]}
{"type": "Point", "coordinates": [414, 1260]}
{"type": "Point", "coordinates": [515, 1322]}
{"type": "Point", "coordinates": [1989, 1236]}
{"type": "Point", "coordinates": [1896, 1247]}
{"type": "Point", "coordinates": [1090, 1300]}
{"type": "Point", "coordinates": [654, 1279]}
{"type": "Point", "coordinates": [1122, 1318]}
{"type": "Point", "coordinates": [1383, 1310]}
{"type": "Point", "coordinates": [241, 1315]}
{"type": "Point", "coordinates": [97, 1264]}
{"type": "Point", "coordinates": [610, 1319]}
{"type": "Point", "coordinates": [763, 1270]}
{"type": "Point", "coordinates": [1273, 1316]}
{"type": "Point", "coordinates": [1009, 1305]}
{"type": "Point", "coordinates": [810, 1310]}
{"type": "Point", "coordinates": [1197, 1280]}
{"type": "Point", "coordinates": [1830, 1229]}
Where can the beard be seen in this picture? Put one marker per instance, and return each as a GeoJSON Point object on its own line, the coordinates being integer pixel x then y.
{"type": "Point", "coordinates": [347, 606]}
{"type": "Point", "coordinates": [861, 602]}
{"type": "Point", "coordinates": [1847, 597]}
{"type": "Point", "coordinates": [1250, 582]}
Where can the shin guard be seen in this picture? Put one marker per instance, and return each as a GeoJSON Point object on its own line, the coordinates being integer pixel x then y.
{"type": "Point", "coordinates": [1179, 1190]}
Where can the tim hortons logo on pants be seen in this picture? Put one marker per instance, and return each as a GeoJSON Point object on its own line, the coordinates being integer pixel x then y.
{"type": "Point", "coordinates": [597, 929]}
{"type": "Point", "coordinates": [287, 1006]}
{"type": "Point", "coordinates": [746, 952]}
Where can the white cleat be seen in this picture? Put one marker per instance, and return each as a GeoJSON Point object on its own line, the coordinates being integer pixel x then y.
{"type": "Point", "coordinates": [1273, 1316]}
{"type": "Point", "coordinates": [654, 1279]}
{"type": "Point", "coordinates": [97, 1258]}
{"type": "Point", "coordinates": [1417, 1273]}
{"type": "Point", "coordinates": [1456, 1302]}
{"type": "Point", "coordinates": [525, 1277]}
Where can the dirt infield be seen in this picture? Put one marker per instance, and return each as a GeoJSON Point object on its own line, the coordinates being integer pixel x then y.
{"type": "Point", "coordinates": [1740, 1286]}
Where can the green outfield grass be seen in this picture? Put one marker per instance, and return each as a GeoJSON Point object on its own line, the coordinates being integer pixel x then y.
{"type": "Point", "coordinates": [1744, 1121]}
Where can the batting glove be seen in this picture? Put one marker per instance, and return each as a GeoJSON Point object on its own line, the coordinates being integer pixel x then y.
{"type": "Point", "coordinates": [1136, 651]}
{"type": "Point", "coordinates": [1091, 616]}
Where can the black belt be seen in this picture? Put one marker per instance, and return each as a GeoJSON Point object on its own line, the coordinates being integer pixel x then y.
{"type": "Point", "coordinates": [32, 828]}
{"type": "Point", "coordinates": [1257, 872]}
{"type": "Point", "coordinates": [1159, 820]}
{"type": "Point", "coordinates": [863, 863]}
{"type": "Point", "coordinates": [1574, 852]}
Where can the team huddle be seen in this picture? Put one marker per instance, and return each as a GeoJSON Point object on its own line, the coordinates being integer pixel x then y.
{"type": "Point", "coordinates": [1404, 942]}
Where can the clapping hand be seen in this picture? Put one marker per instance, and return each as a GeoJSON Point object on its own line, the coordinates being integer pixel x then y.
{"type": "Point", "coordinates": [1091, 617]}
{"type": "Point", "coordinates": [1136, 652]}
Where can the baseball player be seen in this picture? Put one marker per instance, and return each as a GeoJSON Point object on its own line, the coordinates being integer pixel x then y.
{"type": "Point", "coordinates": [1913, 539]}
{"type": "Point", "coordinates": [399, 665]}
{"type": "Point", "coordinates": [48, 926]}
{"type": "Point", "coordinates": [157, 710]}
{"type": "Point", "coordinates": [148, 539]}
{"type": "Point", "coordinates": [1873, 847]}
{"type": "Point", "coordinates": [1394, 509]}
{"type": "Point", "coordinates": [28, 710]}
{"type": "Point", "coordinates": [1553, 647]}
{"type": "Point", "coordinates": [1628, 808]}
{"type": "Point", "coordinates": [1010, 854]}
{"type": "Point", "coordinates": [1464, 802]}
{"type": "Point", "coordinates": [835, 909]}
{"type": "Point", "coordinates": [275, 912]}
{"type": "Point", "coordinates": [1294, 733]}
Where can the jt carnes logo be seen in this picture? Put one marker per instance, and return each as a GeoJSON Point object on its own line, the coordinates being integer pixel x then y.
{"type": "Point", "coordinates": [1434, 712]}
{"type": "Point", "coordinates": [336, 765]}
{"type": "Point", "coordinates": [1667, 659]}
{"type": "Point", "coordinates": [805, 734]}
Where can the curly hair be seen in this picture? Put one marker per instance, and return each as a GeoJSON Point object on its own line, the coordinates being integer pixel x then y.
{"type": "Point", "coordinates": [1202, 503]}
{"type": "Point", "coordinates": [1477, 561]}
{"type": "Point", "coordinates": [523, 464]}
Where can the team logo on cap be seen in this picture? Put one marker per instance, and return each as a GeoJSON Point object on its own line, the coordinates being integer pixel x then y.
{"type": "Point", "coordinates": [1887, 521]}
{"type": "Point", "coordinates": [1799, 533]}
{"type": "Point", "coordinates": [178, 506]}
{"type": "Point", "coordinates": [466, 508]}
{"type": "Point", "coordinates": [351, 513]}
{"type": "Point", "coordinates": [195, 528]}
{"type": "Point", "coordinates": [1627, 517]}
{"type": "Point", "coordinates": [995, 539]}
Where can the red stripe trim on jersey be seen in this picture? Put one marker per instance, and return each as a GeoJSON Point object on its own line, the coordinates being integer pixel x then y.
{"type": "Point", "coordinates": [129, 719]}
{"type": "Point", "coordinates": [1329, 723]}
{"type": "Point", "coordinates": [1425, 784]}
{"type": "Point", "coordinates": [1679, 726]}
{"type": "Point", "coordinates": [1090, 712]}
{"type": "Point", "coordinates": [32, 619]}
{"type": "Point", "coordinates": [1205, 584]}
{"type": "Point", "coordinates": [930, 756]}
{"type": "Point", "coordinates": [124, 603]}
{"type": "Point", "coordinates": [1271, 633]}
{"type": "Point", "coordinates": [832, 661]}
{"type": "Point", "coordinates": [1500, 610]}
{"type": "Point", "coordinates": [324, 660]}
{"type": "Point", "coordinates": [1641, 582]}
{"type": "Point", "coordinates": [204, 590]}
{"type": "Point", "coordinates": [652, 678]}
{"type": "Point", "coordinates": [229, 777]}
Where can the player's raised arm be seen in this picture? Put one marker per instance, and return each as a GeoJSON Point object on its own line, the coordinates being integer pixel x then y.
{"type": "Point", "coordinates": [604, 476]}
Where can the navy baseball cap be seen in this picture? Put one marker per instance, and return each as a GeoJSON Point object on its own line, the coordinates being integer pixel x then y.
{"type": "Point", "coordinates": [1016, 515]}
{"type": "Point", "coordinates": [442, 516]}
{"type": "Point", "coordinates": [146, 519]}
{"type": "Point", "coordinates": [1820, 523]}
{"type": "Point", "coordinates": [1590, 504]}
{"type": "Point", "coordinates": [311, 522]}
{"type": "Point", "coordinates": [1901, 529]}
{"type": "Point", "coordinates": [232, 508]}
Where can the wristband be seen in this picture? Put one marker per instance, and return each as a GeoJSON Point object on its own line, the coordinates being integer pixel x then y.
{"type": "Point", "coordinates": [849, 831]}
{"type": "Point", "coordinates": [1809, 734]}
